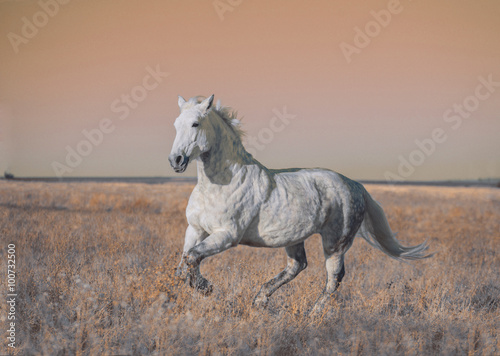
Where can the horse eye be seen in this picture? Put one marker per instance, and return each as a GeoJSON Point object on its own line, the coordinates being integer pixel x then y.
{"type": "Point", "coordinates": [196, 124]}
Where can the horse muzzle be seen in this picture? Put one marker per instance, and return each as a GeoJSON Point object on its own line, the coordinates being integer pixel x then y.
{"type": "Point", "coordinates": [179, 162]}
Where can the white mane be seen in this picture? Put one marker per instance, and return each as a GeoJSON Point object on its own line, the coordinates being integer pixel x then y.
{"type": "Point", "coordinates": [226, 113]}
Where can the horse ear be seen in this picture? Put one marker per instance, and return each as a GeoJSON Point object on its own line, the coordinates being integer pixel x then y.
{"type": "Point", "coordinates": [206, 104]}
{"type": "Point", "coordinates": [181, 101]}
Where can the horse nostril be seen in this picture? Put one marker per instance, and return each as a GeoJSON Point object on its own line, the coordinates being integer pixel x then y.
{"type": "Point", "coordinates": [178, 160]}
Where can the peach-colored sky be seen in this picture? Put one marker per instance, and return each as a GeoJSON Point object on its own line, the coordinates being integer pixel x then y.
{"type": "Point", "coordinates": [66, 68]}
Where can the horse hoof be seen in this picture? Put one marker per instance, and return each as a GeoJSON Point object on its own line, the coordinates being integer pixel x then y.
{"type": "Point", "coordinates": [204, 287]}
{"type": "Point", "coordinates": [260, 302]}
{"type": "Point", "coordinates": [206, 291]}
{"type": "Point", "coordinates": [182, 275]}
{"type": "Point", "coordinates": [179, 273]}
{"type": "Point", "coordinates": [317, 311]}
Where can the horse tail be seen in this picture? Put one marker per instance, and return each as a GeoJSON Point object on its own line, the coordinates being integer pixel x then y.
{"type": "Point", "coordinates": [376, 231]}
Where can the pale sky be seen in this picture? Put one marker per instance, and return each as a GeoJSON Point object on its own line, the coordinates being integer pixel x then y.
{"type": "Point", "coordinates": [377, 89]}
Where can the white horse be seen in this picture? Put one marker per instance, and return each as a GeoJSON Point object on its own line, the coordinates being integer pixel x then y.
{"type": "Point", "coordinates": [239, 201]}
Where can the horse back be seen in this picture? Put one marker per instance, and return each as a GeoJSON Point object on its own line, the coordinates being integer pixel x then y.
{"type": "Point", "coordinates": [301, 202]}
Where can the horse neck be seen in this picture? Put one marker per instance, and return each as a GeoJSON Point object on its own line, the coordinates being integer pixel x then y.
{"type": "Point", "coordinates": [226, 157]}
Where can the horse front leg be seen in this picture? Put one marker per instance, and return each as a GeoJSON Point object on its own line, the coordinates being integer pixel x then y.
{"type": "Point", "coordinates": [213, 244]}
{"type": "Point", "coordinates": [192, 238]}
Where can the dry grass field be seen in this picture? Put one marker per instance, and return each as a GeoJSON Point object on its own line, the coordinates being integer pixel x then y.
{"type": "Point", "coordinates": [95, 276]}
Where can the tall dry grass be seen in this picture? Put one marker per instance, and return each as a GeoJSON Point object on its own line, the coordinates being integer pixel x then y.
{"type": "Point", "coordinates": [96, 263]}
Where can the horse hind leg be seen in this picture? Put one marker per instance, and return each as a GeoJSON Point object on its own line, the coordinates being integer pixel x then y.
{"type": "Point", "coordinates": [335, 269]}
{"type": "Point", "coordinates": [296, 262]}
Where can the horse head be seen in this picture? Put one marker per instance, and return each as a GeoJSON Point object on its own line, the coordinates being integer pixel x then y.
{"type": "Point", "coordinates": [194, 132]}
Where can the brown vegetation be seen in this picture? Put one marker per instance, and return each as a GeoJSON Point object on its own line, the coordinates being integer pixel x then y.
{"type": "Point", "coordinates": [96, 264]}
